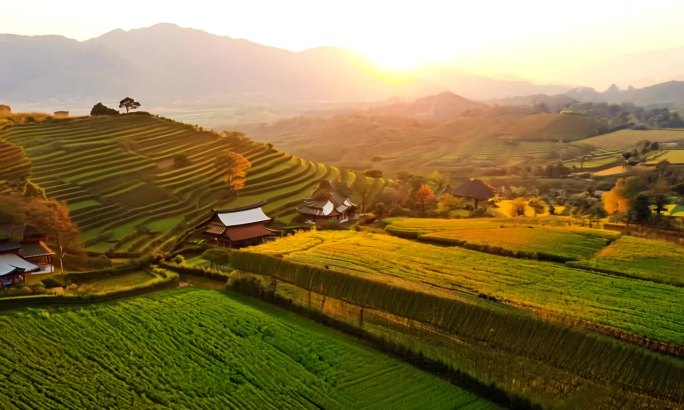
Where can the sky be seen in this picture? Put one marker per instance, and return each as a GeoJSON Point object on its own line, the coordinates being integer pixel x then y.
{"type": "Point", "coordinates": [532, 39]}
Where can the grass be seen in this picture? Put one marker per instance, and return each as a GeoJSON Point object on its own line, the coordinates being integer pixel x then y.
{"type": "Point", "coordinates": [201, 349]}
{"type": "Point", "coordinates": [640, 307]}
{"type": "Point", "coordinates": [562, 243]}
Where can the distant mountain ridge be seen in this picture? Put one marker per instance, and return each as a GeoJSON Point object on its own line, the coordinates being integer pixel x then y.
{"type": "Point", "coordinates": [669, 94]}
{"type": "Point", "coordinates": [166, 62]}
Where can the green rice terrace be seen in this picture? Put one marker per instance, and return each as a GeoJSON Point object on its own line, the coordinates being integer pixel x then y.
{"type": "Point", "coordinates": [127, 193]}
{"type": "Point", "coordinates": [198, 348]}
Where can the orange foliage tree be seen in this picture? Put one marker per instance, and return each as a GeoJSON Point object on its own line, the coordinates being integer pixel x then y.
{"type": "Point", "coordinates": [235, 167]}
{"type": "Point", "coordinates": [52, 217]}
{"type": "Point", "coordinates": [424, 196]}
{"type": "Point", "coordinates": [614, 200]}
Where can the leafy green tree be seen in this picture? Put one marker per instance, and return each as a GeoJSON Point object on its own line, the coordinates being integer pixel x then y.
{"type": "Point", "coordinates": [640, 210]}
{"type": "Point", "coordinates": [129, 104]}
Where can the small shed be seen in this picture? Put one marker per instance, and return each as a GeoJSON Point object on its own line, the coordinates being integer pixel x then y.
{"type": "Point", "coordinates": [475, 189]}
{"type": "Point", "coordinates": [238, 227]}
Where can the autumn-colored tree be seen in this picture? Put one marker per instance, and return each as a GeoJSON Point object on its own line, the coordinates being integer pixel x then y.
{"type": "Point", "coordinates": [438, 180]}
{"type": "Point", "coordinates": [235, 168]}
{"type": "Point", "coordinates": [537, 205]}
{"type": "Point", "coordinates": [424, 196]}
{"type": "Point", "coordinates": [12, 214]}
{"type": "Point", "coordinates": [614, 200]}
{"type": "Point", "coordinates": [448, 203]}
{"type": "Point", "coordinates": [52, 217]}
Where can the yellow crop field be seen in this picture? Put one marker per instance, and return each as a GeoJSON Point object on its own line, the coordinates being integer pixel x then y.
{"type": "Point", "coordinates": [648, 309]}
{"type": "Point", "coordinates": [627, 138]}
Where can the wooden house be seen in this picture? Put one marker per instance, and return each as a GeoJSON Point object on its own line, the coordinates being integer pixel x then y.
{"type": "Point", "coordinates": [32, 247]}
{"type": "Point", "coordinates": [326, 205]}
{"type": "Point", "coordinates": [238, 227]}
{"type": "Point", "coordinates": [13, 268]}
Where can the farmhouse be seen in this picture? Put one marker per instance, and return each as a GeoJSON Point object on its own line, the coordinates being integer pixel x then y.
{"type": "Point", "coordinates": [326, 205]}
{"type": "Point", "coordinates": [238, 227]}
{"type": "Point", "coordinates": [29, 255]}
{"type": "Point", "coordinates": [13, 268]}
{"type": "Point", "coordinates": [475, 189]}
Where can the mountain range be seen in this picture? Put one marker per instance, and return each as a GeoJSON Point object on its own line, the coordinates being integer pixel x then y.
{"type": "Point", "coordinates": [167, 64]}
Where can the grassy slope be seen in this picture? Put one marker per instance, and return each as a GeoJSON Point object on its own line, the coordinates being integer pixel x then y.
{"type": "Point", "coordinates": [118, 173]}
{"type": "Point", "coordinates": [201, 349]}
{"type": "Point", "coordinates": [647, 309]}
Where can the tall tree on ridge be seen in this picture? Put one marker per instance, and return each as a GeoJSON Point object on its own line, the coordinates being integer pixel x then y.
{"type": "Point", "coordinates": [129, 104]}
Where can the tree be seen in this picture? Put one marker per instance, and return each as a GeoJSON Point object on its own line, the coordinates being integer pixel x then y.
{"type": "Point", "coordinates": [380, 210]}
{"type": "Point", "coordinates": [52, 217]}
{"type": "Point", "coordinates": [129, 104]}
{"type": "Point", "coordinates": [660, 201]}
{"type": "Point", "coordinates": [101, 109]}
{"type": "Point", "coordinates": [537, 205]}
{"type": "Point", "coordinates": [12, 214]}
{"type": "Point", "coordinates": [518, 207]}
{"type": "Point", "coordinates": [438, 180]}
{"type": "Point", "coordinates": [235, 167]}
{"type": "Point", "coordinates": [640, 209]}
{"type": "Point", "coordinates": [614, 201]}
{"type": "Point", "coordinates": [424, 196]}
{"type": "Point", "coordinates": [448, 203]}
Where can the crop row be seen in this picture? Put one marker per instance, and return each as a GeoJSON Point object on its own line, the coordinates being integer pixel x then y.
{"type": "Point", "coordinates": [152, 351]}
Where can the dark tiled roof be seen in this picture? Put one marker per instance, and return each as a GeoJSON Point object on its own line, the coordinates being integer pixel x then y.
{"type": "Point", "coordinates": [35, 249]}
{"type": "Point", "coordinates": [9, 246]}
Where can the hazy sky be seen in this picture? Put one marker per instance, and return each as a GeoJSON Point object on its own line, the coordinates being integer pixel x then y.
{"type": "Point", "coordinates": [536, 39]}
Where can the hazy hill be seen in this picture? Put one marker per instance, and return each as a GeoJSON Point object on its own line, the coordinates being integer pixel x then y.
{"type": "Point", "coordinates": [166, 63]}
{"type": "Point", "coordinates": [380, 138]}
{"type": "Point", "coordinates": [669, 94]}
{"type": "Point", "coordinates": [436, 107]}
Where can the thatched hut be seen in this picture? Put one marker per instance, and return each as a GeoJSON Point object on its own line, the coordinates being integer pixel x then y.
{"type": "Point", "coordinates": [475, 189]}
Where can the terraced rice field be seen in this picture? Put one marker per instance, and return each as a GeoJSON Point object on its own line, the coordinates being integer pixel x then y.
{"type": "Point", "coordinates": [648, 309]}
{"type": "Point", "coordinates": [117, 174]}
{"type": "Point", "coordinates": [562, 243]}
{"type": "Point", "coordinates": [196, 348]}
{"type": "Point", "coordinates": [627, 138]}
{"type": "Point", "coordinates": [642, 258]}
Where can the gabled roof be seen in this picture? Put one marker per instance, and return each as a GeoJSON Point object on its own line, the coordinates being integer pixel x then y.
{"type": "Point", "coordinates": [34, 250]}
{"type": "Point", "coordinates": [474, 188]}
{"type": "Point", "coordinates": [325, 201]}
{"type": "Point", "coordinates": [9, 246]}
{"type": "Point", "coordinates": [12, 263]}
{"type": "Point", "coordinates": [241, 216]}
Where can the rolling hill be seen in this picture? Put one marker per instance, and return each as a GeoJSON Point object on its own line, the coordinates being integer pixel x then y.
{"type": "Point", "coordinates": [125, 190]}
{"type": "Point", "coordinates": [410, 136]}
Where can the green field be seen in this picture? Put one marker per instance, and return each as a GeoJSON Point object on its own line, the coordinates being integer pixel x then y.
{"type": "Point", "coordinates": [197, 348]}
{"type": "Point", "coordinates": [648, 309]}
{"type": "Point", "coordinates": [642, 258]}
{"type": "Point", "coordinates": [496, 236]}
{"type": "Point", "coordinates": [118, 175]}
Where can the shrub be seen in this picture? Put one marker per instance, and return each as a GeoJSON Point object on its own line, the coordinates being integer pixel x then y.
{"type": "Point", "coordinates": [178, 259]}
{"type": "Point", "coordinates": [54, 282]}
{"type": "Point", "coordinates": [217, 256]}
